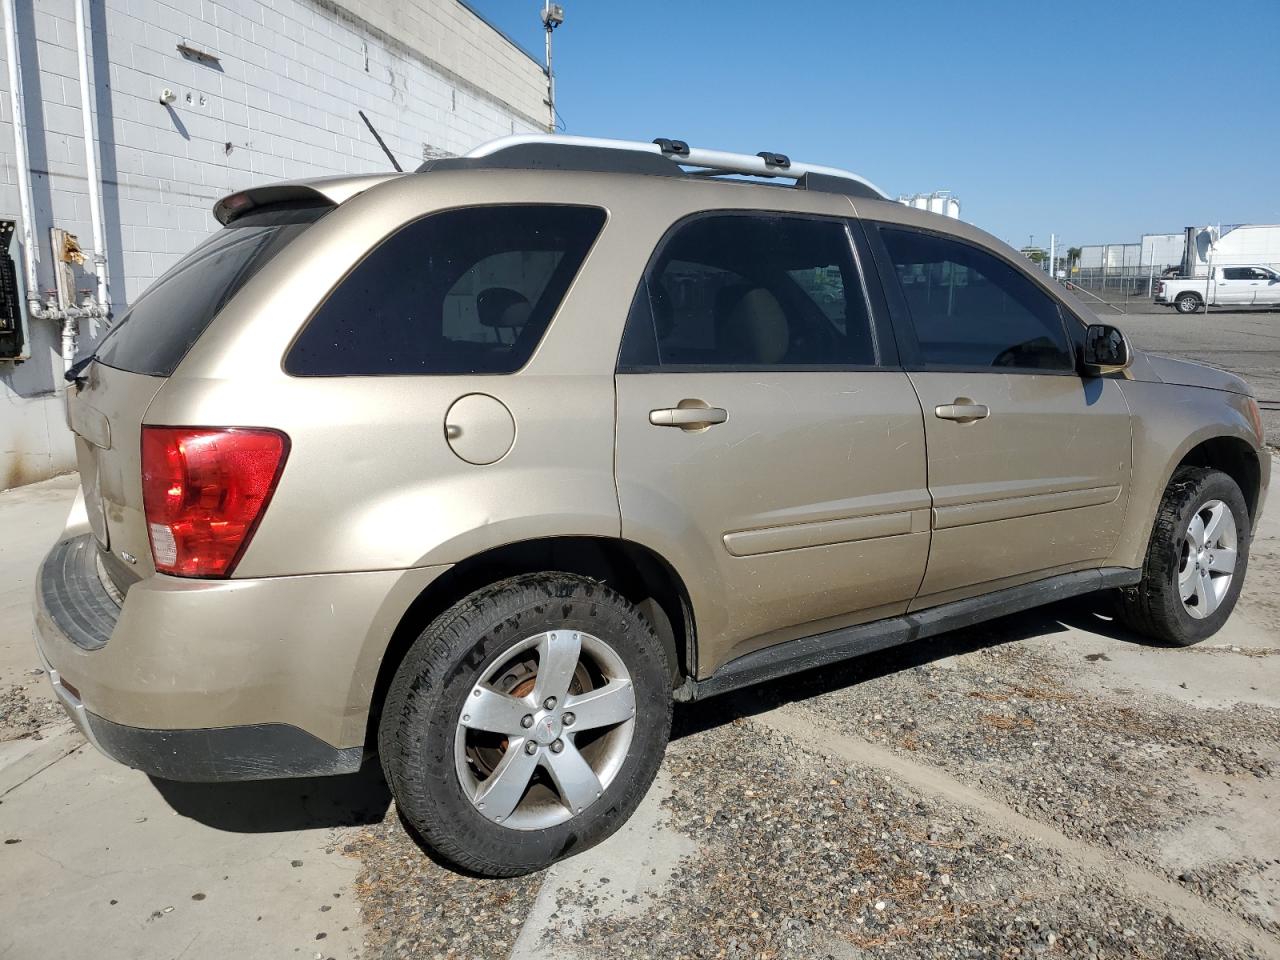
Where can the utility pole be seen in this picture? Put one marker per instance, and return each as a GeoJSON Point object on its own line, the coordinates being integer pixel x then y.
{"type": "Point", "coordinates": [552, 17]}
{"type": "Point", "coordinates": [1053, 249]}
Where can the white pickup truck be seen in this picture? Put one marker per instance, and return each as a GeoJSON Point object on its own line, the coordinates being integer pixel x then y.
{"type": "Point", "coordinates": [1227, 287]}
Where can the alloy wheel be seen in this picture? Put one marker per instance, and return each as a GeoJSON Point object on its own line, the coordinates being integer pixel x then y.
{"type": "Point", "coordinates": [545, 730]}
{"type": "Point", "coordinates": [1207, 560]}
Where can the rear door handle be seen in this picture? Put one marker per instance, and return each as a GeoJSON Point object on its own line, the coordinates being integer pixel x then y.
{"type": "Point", "coordinates": [963, 410]}
{"type": "Point", "coordinates": [688, 418]}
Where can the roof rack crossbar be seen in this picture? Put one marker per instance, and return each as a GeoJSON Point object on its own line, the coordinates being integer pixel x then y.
{"type": "Point", "coordinates": [698, 160]}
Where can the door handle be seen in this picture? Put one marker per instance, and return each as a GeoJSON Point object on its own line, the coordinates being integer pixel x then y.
{"type": "Point", "coordinates": [963, 410]}
{"type": "Point", "coordinates": [688, 418]}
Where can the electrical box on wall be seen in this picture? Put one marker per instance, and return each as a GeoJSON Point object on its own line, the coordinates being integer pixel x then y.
{"type": "Point", "coordinates": [12, 326]}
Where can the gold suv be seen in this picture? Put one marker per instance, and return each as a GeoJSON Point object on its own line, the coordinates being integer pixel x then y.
{"type": "Point", "coordinates": [482, 467]}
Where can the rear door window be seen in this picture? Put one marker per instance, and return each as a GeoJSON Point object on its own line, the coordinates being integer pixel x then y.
{"type": "Point", "coordinates": [162, 325]}
{"type": "Point", "coordinates": [750, 291]}
{"type": "Point", "coordinates": [460, 292]}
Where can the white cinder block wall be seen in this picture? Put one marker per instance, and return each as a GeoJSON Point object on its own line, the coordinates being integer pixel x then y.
{"type": "Point", "coordinates": [279, 101]}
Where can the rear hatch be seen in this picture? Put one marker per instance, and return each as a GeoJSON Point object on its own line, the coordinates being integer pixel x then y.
{"type": "Point", "coordinates": [107, 405]}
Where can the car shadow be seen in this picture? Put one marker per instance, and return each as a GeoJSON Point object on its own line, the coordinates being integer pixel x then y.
{"type": "Point", "coordinates": [272, 806]}
{"type": "Point", "coordinates": [1091, 613]}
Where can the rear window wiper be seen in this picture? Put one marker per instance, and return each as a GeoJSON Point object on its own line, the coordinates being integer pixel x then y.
{"type": "Point", "coordinates": [76, 372]}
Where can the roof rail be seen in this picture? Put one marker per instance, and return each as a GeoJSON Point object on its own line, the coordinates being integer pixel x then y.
{"type": "Point", "coordinates": [662, 157]}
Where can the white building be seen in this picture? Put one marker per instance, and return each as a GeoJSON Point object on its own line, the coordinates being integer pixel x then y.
{"type": "Point", "coordinates": [193, 99]}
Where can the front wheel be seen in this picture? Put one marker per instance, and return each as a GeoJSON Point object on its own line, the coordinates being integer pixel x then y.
{"type": "Point", "coordinates": [526, 723]}
{"type": "Point", "coordinates": [1196, 560]}
{"type": "Point", "coordinates": [1187, 303]}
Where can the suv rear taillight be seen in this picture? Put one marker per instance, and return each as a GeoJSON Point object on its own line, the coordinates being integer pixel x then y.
{"type": "Point", "coordinates": [204, 489]}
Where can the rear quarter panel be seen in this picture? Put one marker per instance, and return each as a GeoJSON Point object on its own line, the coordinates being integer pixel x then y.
{"type": "Point", "coordinates": [371, 482]}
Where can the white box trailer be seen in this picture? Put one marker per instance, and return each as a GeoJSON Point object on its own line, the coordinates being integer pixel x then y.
{"type": "Point", "coordinates": [1251, 244]}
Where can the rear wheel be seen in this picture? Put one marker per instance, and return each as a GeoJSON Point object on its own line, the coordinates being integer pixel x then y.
{"type": "Point", "coordinates": [1187, 303]}
{"type": "Point", "coordinates": [526, 723]}
{"type": "Point", "coordinates": [1196, 560]}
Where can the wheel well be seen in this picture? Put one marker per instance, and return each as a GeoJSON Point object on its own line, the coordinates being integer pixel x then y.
{"type": "Point", "coordinates": [1236, 459]}
{"type": "Point", "coordinates": [636, 572]}
{"type": "Point", "coordinates": [1188, 293]}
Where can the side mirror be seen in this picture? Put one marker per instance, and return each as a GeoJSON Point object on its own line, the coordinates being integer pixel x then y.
{"type": "Point", "coordinates": [1105, 349]}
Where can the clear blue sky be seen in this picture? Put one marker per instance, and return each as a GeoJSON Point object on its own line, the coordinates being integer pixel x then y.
{"type": "Point", "coordinates": [1098, 121]}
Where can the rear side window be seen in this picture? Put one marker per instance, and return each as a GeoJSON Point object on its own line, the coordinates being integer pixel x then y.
{"type": "Point", "coordinates": [750, 291]}
{"type": "Point", "coordinates": [162, 325]}
{"type": "Point", "coordinates": [464, 291]}
{"type": "Point", "coordinates": [970, 309]}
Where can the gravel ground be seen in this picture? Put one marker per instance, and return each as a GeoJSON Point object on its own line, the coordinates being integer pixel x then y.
{"type": "Point", "coordinates": [414, 907]}
{"type": "Point", "coordinates": [1115, 771]}
{"type": "Point", "coordinates": [804, 857]}
{"type": "Point", "coordinates": [810, 858]}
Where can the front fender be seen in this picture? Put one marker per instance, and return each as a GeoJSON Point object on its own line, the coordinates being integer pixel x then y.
{"type": "Point", "coordinates": [1168, 423]}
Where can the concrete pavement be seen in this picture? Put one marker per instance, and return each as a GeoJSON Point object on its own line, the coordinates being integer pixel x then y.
{"type": "Point", "coordinates": [99, 861]}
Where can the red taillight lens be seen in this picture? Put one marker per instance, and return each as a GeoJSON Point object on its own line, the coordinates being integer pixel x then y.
{"type": "Point", "coordinates": [204, 490]}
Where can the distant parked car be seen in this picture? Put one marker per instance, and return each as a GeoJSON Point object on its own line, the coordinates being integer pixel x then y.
{"type": "Point", "coordinates": [1250, 286]}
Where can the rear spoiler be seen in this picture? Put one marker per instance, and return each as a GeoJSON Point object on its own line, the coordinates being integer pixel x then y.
{"type": "Point", "coordinates": [323, 191]}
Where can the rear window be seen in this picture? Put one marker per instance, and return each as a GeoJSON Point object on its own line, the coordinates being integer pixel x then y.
{"type": "Point", "coordinates": [464, 291]}
{"type": "Point", "coordinates": [162, 325]}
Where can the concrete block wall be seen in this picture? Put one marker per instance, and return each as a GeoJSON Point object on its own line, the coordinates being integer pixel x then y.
{"type": "Point", "coordinates": [267, 90]}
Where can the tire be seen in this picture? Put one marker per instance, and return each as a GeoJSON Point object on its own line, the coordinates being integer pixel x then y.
{"type": "Point", "coordinates": [439, 767]}
{"type": "Point", "coordinates": [1156, 607]}
{"type": "Point", "coordinates": [1187, 303]}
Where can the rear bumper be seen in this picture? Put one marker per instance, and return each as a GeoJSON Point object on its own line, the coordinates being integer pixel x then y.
{"type": "Point", "coordinates": [261, 751]}
{"type": "Point", "coordinates": [219, 680]}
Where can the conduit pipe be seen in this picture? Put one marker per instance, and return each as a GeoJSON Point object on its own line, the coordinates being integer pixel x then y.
{"type": "Point", "coordinates": [84, 51]}
{"type": "Point", "coordinates": [22, 162]}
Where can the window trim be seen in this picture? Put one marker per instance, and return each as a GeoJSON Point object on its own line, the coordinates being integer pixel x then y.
{"type": "Point", "coordinates": [881, 331]}
{"type": "Point", "coordinates": [405, 224]}
{"type": "Point", "coordinates": [904, 326]}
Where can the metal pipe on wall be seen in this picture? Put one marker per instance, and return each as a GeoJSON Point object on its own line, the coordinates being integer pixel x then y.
{"type": "Point", "coordinates": [21, 160]}
{"type": "Point", "coordinates": [84, 44]}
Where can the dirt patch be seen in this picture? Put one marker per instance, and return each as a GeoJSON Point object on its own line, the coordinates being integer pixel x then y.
{"type": "Point", "coordinates": [22, 715]}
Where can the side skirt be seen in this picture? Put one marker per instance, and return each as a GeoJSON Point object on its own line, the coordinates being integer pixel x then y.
{"type": "Point", "coordinates": [821, 649]}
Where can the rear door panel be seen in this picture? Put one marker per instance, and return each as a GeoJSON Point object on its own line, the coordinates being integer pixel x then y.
{"type": "Point", "coordinates": [806, 509]}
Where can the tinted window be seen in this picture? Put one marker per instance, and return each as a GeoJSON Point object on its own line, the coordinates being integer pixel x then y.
{"type": "Point", "coordinates": [464, 291]}
{"type": "Point", "coordinates": [1237, 273]}
{"type": "Point", "coordinates": [162, 325]}
{"type": "Point", "coordinates": [742, 292]}
{"type": "Point", "coordinates": [971, 309]}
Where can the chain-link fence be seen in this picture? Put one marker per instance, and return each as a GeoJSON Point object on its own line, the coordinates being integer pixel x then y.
{"type": "Point", "coordinates": [1126, 269]}
{"type": "Point", "coordinates": [1122, 273]}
